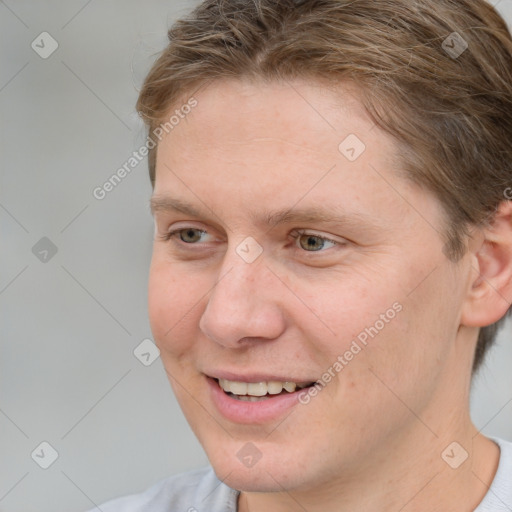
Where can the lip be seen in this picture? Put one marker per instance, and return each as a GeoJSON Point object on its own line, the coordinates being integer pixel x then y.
{"type": "Point", "coordinates": [238, 411]}
{"type": "Point", "coordinates": [255, 377]}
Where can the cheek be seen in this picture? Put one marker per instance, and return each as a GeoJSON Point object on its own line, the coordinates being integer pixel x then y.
{"type": "Point", "coordinates": [406, 356]}
{"type": "Point", "coordinates": [345, 308]}
{"type": "Point", "coordinates": [375, 323]}
{"type": "Point", "coordinates": [174, 303]}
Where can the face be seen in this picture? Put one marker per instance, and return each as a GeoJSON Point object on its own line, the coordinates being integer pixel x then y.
{"type": "Point", "coordinates": [288, 250]}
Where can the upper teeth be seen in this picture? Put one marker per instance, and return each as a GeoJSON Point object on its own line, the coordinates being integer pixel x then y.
{"type": "Point", "coordinates": [258, 388]}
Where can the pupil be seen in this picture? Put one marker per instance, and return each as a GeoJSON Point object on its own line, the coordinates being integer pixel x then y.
{"type": "Point", "coordinates": [190, 235]}
{"type": "Point", "coordinates": [313, 243]}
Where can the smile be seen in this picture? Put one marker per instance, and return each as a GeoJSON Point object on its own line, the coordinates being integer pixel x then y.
{"type": "Point", "coordinates": [257, 391]}
{"type": "Point", "coordinates": [256, 402]}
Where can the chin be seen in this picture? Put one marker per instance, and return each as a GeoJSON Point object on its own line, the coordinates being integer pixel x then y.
{"type": "Point", "coordinates": [256, 479]}
{"type": "Point", "coordinates": [270, 473]}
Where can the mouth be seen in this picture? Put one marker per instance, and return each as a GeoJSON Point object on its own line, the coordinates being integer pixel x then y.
{"type": "Point", "coordinates": [263, 400]}
{"type": "Point", "coordinates": [259, 391]}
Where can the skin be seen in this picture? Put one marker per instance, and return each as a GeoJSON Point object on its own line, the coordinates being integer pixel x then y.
{"type": "Point", "coordinates": [372, 438]}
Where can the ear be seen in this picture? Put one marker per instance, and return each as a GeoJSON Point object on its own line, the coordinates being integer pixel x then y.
{"type": "Point", "coordinates": [490, 293]}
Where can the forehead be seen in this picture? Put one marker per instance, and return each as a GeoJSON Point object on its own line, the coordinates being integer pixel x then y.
{"type": "Point", "coordinates": [238, 111]}
{"type": "Point", "coordinates": [262, 126]}
{"type": "Point", "coordinates": [251, 146]}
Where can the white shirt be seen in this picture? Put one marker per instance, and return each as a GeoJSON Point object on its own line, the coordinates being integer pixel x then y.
{"type": "Point", "coordinates": [202, 491]}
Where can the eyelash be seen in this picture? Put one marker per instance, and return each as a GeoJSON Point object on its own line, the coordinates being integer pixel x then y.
{"type": "Point", "coordinates": [302, 232]}
{"type": "Point", "coordinates": [295, 235]}
{"type": "Point", "coordinates": [172, 234]}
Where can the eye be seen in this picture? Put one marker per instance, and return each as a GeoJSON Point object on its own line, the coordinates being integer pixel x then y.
{"type": "Point", "coordinates": [187, 235]}
{"type": "Point", "coordinates": [311, 242]}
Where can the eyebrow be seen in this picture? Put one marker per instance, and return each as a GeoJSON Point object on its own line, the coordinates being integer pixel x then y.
{"type": "Point", "coordinates": [273, 218]}
{"type": "Point", "coordinates": [168, 204]}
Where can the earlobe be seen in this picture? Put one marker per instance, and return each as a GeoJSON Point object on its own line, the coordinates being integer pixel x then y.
{"type": "Point", "coordinates": [490, 293]}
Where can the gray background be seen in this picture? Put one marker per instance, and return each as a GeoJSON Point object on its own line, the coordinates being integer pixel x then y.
{"type": "Point", "coordinates": [69, 325]}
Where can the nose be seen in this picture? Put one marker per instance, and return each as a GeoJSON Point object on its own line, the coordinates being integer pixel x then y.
{"type": "Point", "coordinates": [243, 304]}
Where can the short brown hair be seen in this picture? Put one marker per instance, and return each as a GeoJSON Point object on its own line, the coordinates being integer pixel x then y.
{"type": "Point", "coordinates": [450, 114]}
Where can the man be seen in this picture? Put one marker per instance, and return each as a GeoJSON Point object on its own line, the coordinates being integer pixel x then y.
{"type": "Point", "coordinates": [333, 251]}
